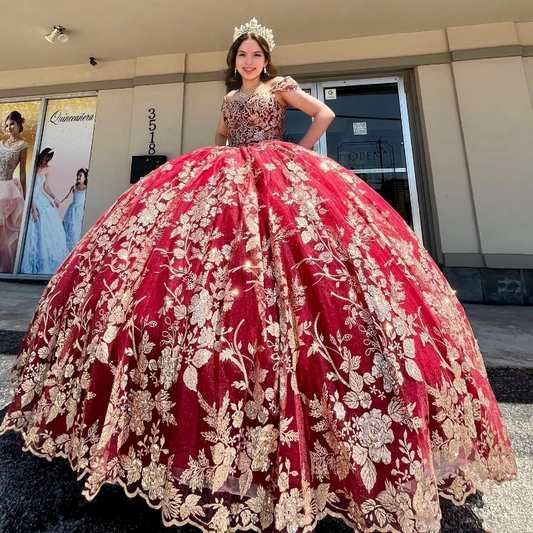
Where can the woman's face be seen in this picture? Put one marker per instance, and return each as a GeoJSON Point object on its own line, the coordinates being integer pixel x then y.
{"type": "Point", "coordinates": [80, 178]}
{"type": "Point", "coordinates": [250, 60]}
{"type": "Point", "coordinates": [11, 127]}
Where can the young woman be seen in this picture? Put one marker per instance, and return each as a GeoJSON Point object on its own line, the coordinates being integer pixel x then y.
{"type": "Point", "coordinates": [13, 153]}
{"type": "Point", "coordinates": [46, 243]}
{"type": "Point", "coordinates": [74, 215]}
{"type": "Point", "coordinates": [250, 338]}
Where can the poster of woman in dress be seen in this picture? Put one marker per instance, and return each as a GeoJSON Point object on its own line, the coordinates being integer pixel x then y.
{"type": "Point", "coordinates": [46, 243]}
{"type": "Point", "coordinates": [58, 196]}
{"type": "Point", "coordinates": [18, 121]}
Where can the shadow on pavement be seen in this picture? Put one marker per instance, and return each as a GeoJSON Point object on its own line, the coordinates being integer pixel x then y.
{"type": "Point", "coordinates": [512, 385]}
{"type": "Point", "coordinates": [38, 496]}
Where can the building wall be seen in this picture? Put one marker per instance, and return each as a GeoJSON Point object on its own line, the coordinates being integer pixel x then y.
{"type": "Point", "coordinates": [478, 122]}
{"type": "Point", "coordinates": [474, 87]}
{"type": "Point", "coordinates": [201, 113]}
{"type": "Point", "coordinates": [497, 123]}
{"type": "Point", "coordinates": [164, 103]}
{"type": "Point", "coordinates": [109, 168]}
{"type": "Point", "coordinates": [448, 164]}
{"type": "Point", "coordinates": [528, 69]}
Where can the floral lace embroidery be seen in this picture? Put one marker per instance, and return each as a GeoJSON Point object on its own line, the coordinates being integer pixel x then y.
{"type": "Point", "coordinates": [260, 118]}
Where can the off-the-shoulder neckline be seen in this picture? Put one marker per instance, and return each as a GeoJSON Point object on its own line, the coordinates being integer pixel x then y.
{"type": "Point", "coordinates": [235, 100]}
{"type": "Point", "coordinates": [16, 148]}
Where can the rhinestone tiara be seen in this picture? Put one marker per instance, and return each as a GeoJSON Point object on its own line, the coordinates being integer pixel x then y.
{"type": "Point", "coordinates": [254, 27]}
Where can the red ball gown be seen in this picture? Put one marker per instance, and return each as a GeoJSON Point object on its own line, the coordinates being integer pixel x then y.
{"type": "Point", "coordinates": [251, 339]}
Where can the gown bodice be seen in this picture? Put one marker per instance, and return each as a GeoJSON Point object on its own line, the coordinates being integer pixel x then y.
{"type": "Point", "coordinates": [39, 196]}
{"type": "Point", "coordinates": [9, 159]}
{"type": "Point", "coordinates": [258, 118]}
{"type": "Point", "coordinates": [39, 181]}
{"type": "Point", "coordinates": [78, 197]}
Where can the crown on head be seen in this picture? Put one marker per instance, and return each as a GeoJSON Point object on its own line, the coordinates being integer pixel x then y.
{"type": "Point", "coordinates": [254, 27]}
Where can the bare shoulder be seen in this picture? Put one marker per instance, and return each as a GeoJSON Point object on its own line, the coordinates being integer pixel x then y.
{"type": "Point", "coordinates": [275, 80]}
{"type": "Point", "coordinates": [230, 95]}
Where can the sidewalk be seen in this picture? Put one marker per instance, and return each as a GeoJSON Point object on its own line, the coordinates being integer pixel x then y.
{"type": "Point", "coordinates": [504, 333]}
{"type": "Point", "coordinates": [505, 336]}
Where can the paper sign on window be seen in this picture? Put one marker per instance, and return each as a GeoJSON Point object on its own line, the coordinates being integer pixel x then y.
{"type": "Point", "coordinates": [359, 128]}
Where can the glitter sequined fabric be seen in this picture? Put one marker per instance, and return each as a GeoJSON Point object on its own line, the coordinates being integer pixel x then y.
{"type": "Point", "coordinates": [251, 339]}
{"type": "Point", "coordinates": [258, 118]}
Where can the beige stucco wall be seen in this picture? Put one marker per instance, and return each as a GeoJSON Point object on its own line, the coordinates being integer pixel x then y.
{"type": "Point", "coordinates": [52, 76]}
{"type": "Point", "coordinates": [482, 36]}
{"type": "Point", "coordinates": [110, 159]}
{"type": "Point", "coordinates": [104, 72]}
{"type": "Point", "coordinates": [447, 160]}
{"type": "Point", "coordinates": [167, 102]}
{"type": "Point", "coordinates": [528, 69]}
{"type": "Point", "coordinates": [497, 123]}
{"type": "Point", "coordinates": [201, 114]}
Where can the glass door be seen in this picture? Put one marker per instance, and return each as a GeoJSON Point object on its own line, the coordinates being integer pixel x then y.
{"type": "Point", "coordinates": [369, 136]}
{"type": "Point", "coordinates": [296, 122]}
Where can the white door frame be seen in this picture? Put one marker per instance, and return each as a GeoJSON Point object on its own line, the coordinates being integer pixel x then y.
{"type": "Point", "coordinates": [317, 90]}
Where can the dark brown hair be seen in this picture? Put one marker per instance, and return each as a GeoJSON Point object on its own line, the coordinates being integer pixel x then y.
{"type": "Point", "coordinates": [234, 81]}
{"type": "Point", "coordinates": [85, 173]}
{"type": "Point", "coordinates": [15, 116]}
{"type": "Point", "coordinates": [45, 157]}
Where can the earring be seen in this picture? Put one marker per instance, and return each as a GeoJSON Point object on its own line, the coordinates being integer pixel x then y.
{"type": "Point", "coordinates": [264, 70]}
{"type": "Point", "coordinates": [235, 72]}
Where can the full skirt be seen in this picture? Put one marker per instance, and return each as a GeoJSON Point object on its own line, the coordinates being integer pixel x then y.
{"type": "Point", "coordinates": [11, 209]}
{"type": "Point", "coordinates": [46, 243]}
{"type": "Point", "coordinates": [251, 338]}
{"type": "Point", "coordinates": [72, 221]}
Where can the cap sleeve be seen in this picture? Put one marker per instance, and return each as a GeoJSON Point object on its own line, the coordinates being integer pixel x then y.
{"type": "Point", "coordinates": [286, 84]}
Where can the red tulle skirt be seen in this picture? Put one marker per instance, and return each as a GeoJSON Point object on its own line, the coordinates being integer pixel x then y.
{"type": "Point", "coordinates": [251, 338]}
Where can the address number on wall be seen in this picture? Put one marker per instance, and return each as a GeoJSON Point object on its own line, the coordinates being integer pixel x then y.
{"type": "Point", "coordinates": [151, 130]}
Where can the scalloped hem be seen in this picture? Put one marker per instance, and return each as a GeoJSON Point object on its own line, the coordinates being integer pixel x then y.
{"type": "Point", "coordinates": [430, 527]}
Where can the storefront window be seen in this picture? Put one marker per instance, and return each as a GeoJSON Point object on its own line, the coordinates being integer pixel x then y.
{"type": "Point", "coordinates": [40, 225]}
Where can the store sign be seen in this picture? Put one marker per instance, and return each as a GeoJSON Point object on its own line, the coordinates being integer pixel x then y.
{"type": "Point", "coordinates": [366, 155]}
{"type": "Point", "coordinates": [57, 117]}
{"type": "Point", "coordinates": [330, 94]}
